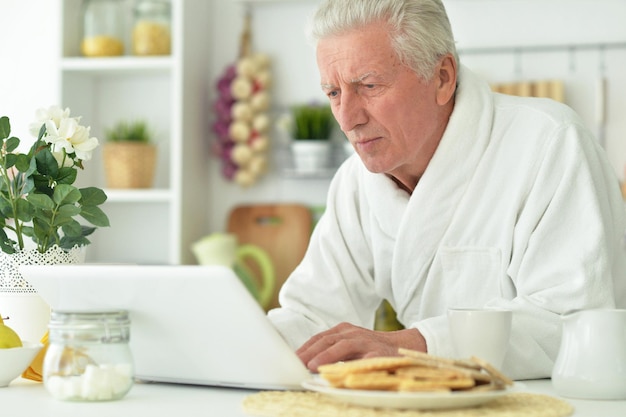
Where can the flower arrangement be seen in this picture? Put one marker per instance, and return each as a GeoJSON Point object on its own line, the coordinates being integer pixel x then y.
{"type": "Point", "coordinates": [37, 197]}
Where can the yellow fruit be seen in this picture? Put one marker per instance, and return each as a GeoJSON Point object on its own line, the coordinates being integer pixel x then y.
{"type": "Point", "coordinates": [8, 337]}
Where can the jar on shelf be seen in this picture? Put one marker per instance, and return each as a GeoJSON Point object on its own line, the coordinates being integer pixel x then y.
{"type": "Point", "coordinates": [103, 28]}
{"type": "Point", "coordinates": [151, 29]}
{"type": "Point", "coordinates": [88, 356]}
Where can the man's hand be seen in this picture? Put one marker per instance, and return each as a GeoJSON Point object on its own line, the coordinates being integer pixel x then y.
{"type": "Point", "coordinates": [346, 342]}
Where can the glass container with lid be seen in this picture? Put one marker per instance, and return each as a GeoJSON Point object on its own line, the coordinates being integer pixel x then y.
{"type": "Point", "coordinates": [151, 30]}
{"type": "Point", "coordinates": [103, 28]}
{"type": "Point", "coordinates": [88, 356]}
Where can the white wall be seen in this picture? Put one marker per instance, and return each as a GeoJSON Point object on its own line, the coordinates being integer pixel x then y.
{"type": "Point", "coordinates": [29, 45]}
{"type": "Point", "coordinates": [29, 50]}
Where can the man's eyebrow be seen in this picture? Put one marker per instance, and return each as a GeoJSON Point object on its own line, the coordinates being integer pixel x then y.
{"type": "Point", "coordinates": [352, 81]}
{"type": "Point", "coordinates": [362, 77]}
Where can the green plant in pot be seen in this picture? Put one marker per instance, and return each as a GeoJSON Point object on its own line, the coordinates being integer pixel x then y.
{"type": "Point", "coordinates": [129, 155]}
{"type": "Point", "coordinates": [45, 218]}
{"type": "Point", "coordinates": [311, 130]}
{"type": "Point", "coordinates": [312, 122]}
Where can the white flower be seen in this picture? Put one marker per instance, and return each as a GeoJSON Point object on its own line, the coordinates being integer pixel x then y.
{"type": "Point", "coordinates": [63, 160]}
{"type": "Point", "coordinates": [71, 137]}
{"type": "Point", "coordinates": [54, 113]}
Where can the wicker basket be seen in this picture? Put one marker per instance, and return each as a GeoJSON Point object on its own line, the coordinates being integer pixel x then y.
{"type": "Point", "coordinates": [129, 164]}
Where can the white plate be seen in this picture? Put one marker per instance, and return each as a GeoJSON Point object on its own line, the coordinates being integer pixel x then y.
{"type": "Point", "coordinates": [406, 400]}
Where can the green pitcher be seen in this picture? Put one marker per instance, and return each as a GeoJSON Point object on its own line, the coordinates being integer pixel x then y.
{"type": "Point", "coordinates": [223, 249]}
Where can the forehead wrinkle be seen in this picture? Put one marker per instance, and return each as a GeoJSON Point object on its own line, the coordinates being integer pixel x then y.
{"type": "Point", "coordinates": [356, 80]}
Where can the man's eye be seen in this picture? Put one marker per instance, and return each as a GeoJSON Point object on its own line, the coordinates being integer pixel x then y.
{"type": "Point", "coordinates": [332, 94]}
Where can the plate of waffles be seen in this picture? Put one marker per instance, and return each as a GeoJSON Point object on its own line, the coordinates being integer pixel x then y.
{"type": "Point", "coordinates": [413, 380]}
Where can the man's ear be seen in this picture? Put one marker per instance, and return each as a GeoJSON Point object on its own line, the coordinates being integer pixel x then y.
{"type": "Point", "coordinates": [446, 74]}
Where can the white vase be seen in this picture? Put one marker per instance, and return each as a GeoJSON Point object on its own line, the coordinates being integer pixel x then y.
{"type": "Point", "coordinates": [311, 156]}
{"type": "Point", "coordinates": [28, 313]}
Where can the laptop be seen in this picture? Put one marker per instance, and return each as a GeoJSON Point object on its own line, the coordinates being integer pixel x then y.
{"type": "Point", "coordinates": [189, 324]}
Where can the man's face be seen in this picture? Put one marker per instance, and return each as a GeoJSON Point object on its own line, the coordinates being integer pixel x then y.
{"type": "Point", "coordinates": [393, 118]}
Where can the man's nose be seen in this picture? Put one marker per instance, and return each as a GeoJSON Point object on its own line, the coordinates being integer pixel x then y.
{"type": "Point", "coordinates": [351, 112]}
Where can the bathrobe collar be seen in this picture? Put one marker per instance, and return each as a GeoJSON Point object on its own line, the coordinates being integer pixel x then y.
{"type": "Point", "coordinates": [418, 222]}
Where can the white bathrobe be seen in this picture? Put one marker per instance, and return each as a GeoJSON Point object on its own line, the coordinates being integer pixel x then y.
{"type": "Point", "coordinates": [518, 209]}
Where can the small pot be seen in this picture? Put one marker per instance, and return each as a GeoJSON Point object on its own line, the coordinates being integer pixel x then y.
{"type": "Point", "coordinates": [129, 164]}
{"type": "Point", "coordinates": [311, 155]}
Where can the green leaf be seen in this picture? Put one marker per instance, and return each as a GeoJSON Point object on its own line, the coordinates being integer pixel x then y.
{"type": "Point", "coordinates": [5, 127]}
{"type": "Point", "coordinates": [43, 216]}
{"type": "Point", "coordinates": [65, 194]}
{"type": "Point", "coordinates": [42, 184]}
{"type": "Point", "coordinates": [68, 242]}
{"type": "Point", "coordinates": [66, 175]}
{"type": "Point", "coordinates": [7, 245]}
{"type": "Point", "coordinates": [10, 159]}
{"type": "Point", "coordinates": [87, 230]}
{"type": "Point", "coordinates": [41, 201]}
{"type": "Point", "coordinates": [43, 230]}
{"type": "Point", "coordinates": [42, 131]}
{"type": "Point", "coordinates": [92, 196]}
{"type": "Point", "coordinates": [5, 206]}
{"type": "Point", "coordinates": [72, 229]}
{"type": "Point", "coordinates": [28, 231]}
{"type": "Point", "coordinates": [25, 211]}
{"type": "Point", "coordinates": [28, 185]}
{"type": "Point", "coordinates": [95, 216]}
{"type": "Point", "coordinates": [11, 144]}
{"type": "Point", "coordinates": [22, 163]}
{"type": "Point", "coordinates": [46, 163]}
{"type": "Point", "coordinates": [65, 214]}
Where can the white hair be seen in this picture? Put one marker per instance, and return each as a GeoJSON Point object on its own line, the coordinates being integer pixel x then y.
{"type": "Point", "coordinates": [420, 31]}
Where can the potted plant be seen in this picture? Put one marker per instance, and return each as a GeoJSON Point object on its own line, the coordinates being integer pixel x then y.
{"type": "Point", "coordinates": [40, 209]}
{"type": "Point", "coordinates": [311, 131]}
{"type": "Point", "coordinates": [129, 155]}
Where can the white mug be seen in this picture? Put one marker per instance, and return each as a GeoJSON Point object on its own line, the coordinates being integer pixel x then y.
{"type": "Point", "coordinates": [483, 333]}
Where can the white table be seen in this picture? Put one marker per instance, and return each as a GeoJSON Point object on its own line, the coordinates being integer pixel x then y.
{"type": "Point", "coordinates": [23, 398]}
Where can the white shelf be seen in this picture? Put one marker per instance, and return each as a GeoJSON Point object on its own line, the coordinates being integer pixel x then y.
{"type": "Point", "coordinates": [125, 64]}
{"type": "Point", "coordinates": [156, 225]}
{"type": "Point", "coordinates": [271, 1]}
{"type": "Point", "coordinates": [573, 47]}
{"type": "Point", "coordinates": [133, 196]}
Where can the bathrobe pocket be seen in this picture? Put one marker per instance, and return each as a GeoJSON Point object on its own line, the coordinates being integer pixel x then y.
{"type": "Point", "coordinates": [470, 275]}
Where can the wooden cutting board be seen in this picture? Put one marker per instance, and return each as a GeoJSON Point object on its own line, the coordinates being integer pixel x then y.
{"type": "Point", "coordinates": [282, 230]}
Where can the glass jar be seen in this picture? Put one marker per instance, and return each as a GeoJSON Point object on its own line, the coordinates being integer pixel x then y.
{"type": "Point", "coordinates": [103, 28]}
{"type": "Point", "coordinates": [151, 30]}
{"type": "Point", "coordinates": [88, 356]}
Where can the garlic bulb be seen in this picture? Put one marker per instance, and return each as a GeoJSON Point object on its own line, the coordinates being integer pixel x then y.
{"type": "Point", "coordinates": [242, 106]}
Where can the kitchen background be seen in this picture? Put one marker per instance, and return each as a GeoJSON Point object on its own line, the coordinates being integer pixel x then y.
{"type": "Point", "coordinates": [576, 42]}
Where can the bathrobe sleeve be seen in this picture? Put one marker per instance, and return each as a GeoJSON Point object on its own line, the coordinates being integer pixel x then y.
{"type": "Point", "coordinates": [335, 280]}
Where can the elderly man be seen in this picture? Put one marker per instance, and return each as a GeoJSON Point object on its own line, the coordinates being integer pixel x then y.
{"type": "Point", "coordinates": [458, 197]}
